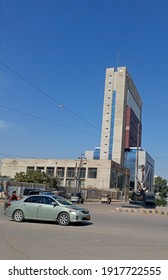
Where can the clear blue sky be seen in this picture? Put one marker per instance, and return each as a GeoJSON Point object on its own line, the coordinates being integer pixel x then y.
{"type": "Point", "coordinates": [53, 57]}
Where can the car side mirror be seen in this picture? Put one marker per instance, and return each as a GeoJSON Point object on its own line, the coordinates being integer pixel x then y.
{"type": "Point", "coordinates": [54, 203]}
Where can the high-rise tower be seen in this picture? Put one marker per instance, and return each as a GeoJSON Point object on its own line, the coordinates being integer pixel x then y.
{"type": "Point", "coordinates": [122, 113]}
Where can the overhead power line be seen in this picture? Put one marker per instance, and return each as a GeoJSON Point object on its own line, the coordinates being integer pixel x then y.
{"type": "Point", "coordinates": [45, 120]}
{"type": "Point", "coordinates": [48, 96]}
{"type": "Point", "coordinates": [18, 156]}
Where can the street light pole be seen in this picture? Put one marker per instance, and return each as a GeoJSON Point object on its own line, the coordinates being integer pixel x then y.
{"type": "Point", "coordinates": [78, 173]}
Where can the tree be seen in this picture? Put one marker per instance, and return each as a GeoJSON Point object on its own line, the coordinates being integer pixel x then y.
{"type": "Point", "coordinates": [20, 177]}
{"type": "Point", "coordinates": [38, 177]}
{"type": "Point", "coordinates": [54, 182]}
{"type": "Point", "coordinates": [32, 177]}
{"type": "Point", "coordinates": [160, 186]}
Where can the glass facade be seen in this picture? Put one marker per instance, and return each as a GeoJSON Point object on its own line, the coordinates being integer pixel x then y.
{"type": "Point", "coordinates": [96, 154]}
{"type": "Point", "coordinates": [113, 179]}
{"type": "Point", "coordinates": [120, 181]}
{"type": "Point", "coordinates": [129, 162]}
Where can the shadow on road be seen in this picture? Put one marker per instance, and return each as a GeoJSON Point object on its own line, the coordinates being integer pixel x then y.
{"type": "Point", "coordinates": [78, 224]}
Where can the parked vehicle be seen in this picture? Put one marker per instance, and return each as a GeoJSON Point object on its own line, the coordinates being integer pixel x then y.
{"type": "Point", "coordinates": [46, 208]}
{"type": "Point", "coordinates": [46, 193]}
{"type": "Point", "coordinates": [28, 191]}
{"type": "Point", "coordinates": [106, 199]}
{"type": "Point", "coordinates": [77, 197]}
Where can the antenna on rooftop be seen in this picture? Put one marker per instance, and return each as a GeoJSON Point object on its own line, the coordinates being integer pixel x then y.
{"type": "Point", "coordinates": [118, 53]}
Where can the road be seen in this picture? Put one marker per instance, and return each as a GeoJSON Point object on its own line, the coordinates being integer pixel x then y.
{"type": "Point", "coordinates": [110, 235]}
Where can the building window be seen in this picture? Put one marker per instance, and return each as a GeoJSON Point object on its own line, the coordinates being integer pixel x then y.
{"type": "Point", "coordinates": [70, 172]}
{"type": "Point", "coordinates": [50, 171]}
{"type": "Point", "coordinates": [92, 173]}
{"type": "Point", "coordinates": [60, 172]}
{"type": "Point", "coordinates": [30, 169]}
{"type": "Point", "coordinates": [82, 173]}
{"type": "Point", "coordinates": [40, 168]}
{"type": "Point", "coordinates": [70, 183]}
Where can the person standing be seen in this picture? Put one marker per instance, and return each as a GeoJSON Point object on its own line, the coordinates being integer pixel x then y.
{"type": "Point", "coordinates": [1, 190]}
{"type": "Point", "coordinates": [13, 196]}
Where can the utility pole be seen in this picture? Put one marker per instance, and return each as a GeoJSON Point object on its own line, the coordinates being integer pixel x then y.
{"type": "Point", "coordinates": [137, 161]}
{"type": "Point", "coordinates": [78, 173]}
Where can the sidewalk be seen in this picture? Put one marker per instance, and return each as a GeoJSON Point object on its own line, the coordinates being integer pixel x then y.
{"type": "Point", "coordinates": [128, 208]}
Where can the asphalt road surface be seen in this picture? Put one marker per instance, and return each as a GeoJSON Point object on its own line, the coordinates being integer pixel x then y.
{"type": "Point", "coordinates": [109, 235]}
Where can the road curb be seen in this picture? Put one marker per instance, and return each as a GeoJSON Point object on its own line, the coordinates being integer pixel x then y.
{"type": "Point", "coordinates": [142, 211]}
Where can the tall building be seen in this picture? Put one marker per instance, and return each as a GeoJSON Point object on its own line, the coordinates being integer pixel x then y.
{"type": "Point", "coordinates": [122, 127]}
{"type": "Point", "coordinates": [122, 114]}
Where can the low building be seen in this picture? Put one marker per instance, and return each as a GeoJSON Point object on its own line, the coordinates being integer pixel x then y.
{"type": "Point", "coordinates": [84, 173]}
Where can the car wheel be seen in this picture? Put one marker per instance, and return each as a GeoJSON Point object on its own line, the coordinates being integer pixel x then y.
{"type": "Point", "coordinates": [63, 219]}
{"type": "Point", "coordinates": [18, 216]}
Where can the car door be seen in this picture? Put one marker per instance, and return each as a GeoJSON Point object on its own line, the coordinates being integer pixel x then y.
{"type": "Point", "coordinates": [30, 206]}
{"type": "Point", "coordinates": [46, 210]}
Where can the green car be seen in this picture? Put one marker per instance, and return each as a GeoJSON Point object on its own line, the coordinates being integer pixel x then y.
{"type": "Point", "coordinates": [46, 208]}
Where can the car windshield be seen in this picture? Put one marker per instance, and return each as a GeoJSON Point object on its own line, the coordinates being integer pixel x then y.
{"type": "Point", "coordinates": [63, 201]}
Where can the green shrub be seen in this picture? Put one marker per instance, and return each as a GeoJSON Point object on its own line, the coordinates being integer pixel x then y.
{"type": "Point", "coordinates": [160, 202]}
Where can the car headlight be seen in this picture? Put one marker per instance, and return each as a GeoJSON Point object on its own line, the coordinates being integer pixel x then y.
{"type": "Point", "coordinates": [73, 210]}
